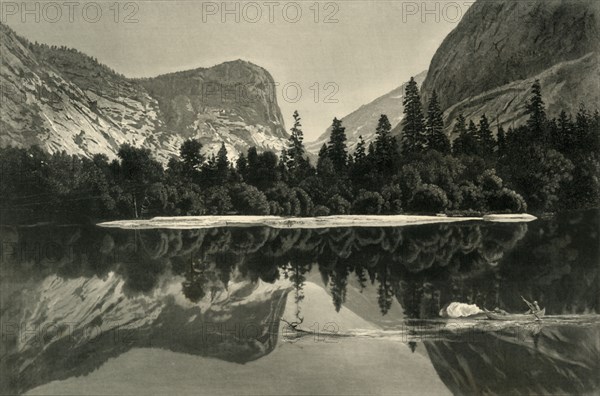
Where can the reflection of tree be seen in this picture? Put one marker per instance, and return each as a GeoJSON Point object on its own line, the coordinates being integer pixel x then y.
{"type": "Point", "coordinates": [296, 271]}
{"type": "Point", "coordinates": [338, 286]}
{"type": "Point", "coordinates": [422, 266]}
{"type": "Point", "coordinates": [194, 284]}
{"type": "Point", "coordinates": [384, 290]}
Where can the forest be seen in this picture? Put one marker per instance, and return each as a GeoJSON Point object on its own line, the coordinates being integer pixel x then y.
{"type": "Point", "coordinates": [545, 165]}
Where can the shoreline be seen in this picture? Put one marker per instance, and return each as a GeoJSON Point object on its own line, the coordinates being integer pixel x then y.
{"type": "Point", "coordinates": [340, 221]}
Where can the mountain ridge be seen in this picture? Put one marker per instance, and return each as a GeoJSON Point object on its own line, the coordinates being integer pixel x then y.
{"type": "Point", "coordinates": [64, 100]}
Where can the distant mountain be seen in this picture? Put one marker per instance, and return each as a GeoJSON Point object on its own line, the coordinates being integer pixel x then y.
{"type": "Point", "coordinates": [363, 121]}
{"type": "Point", "coordinates": [488, 63]}
{"type": "Point", "coordinates": [62, 99]}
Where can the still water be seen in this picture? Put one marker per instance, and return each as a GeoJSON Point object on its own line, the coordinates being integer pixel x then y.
{"type": "Point", "coordinates": [300, 311]}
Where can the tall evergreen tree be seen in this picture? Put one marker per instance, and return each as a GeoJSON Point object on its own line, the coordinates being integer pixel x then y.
{"type": "Point", "coordinates": [297, 164]}
{"type": "Point", "coordinates": [191, 155]}
{"type": "Point", "coordinates": [564, 139]}
{"type": "Point", "coordinates": [360, 153]}
{"type": "Point", "coordinates": [282, 166]}
{"type": "Point", "coordinates": [436, 138]}
{"type": "Point", "coordinates": [385, 153]}
{"type": "Point", "coordinates": [537, 114]}
{"type": "Point", "coordinates": [501, 141]}
{"type": "Point", "coordinates": [413, 126]}
{"type": "Point", "coordinates": [222, 164]}
{"type": "Point", "coordinates": [295, 150]}
{"type": "Point", "coordinates": [336, 149]}
{"type": "Point", "coordinates": [464, 144]}
{"type": "Point", "coordinates": [322, 156]}
{"type": "Point", "coordinates": [485, 138]}
{"type": "Point", "coordinates": [241, 164]}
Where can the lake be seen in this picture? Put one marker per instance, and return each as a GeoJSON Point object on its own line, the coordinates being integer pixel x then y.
{"type": "Point", "coordinates": [258, 310]}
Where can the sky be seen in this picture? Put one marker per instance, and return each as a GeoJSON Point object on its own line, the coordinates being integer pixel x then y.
{"type": "Point", "coordinates": [327, 58]}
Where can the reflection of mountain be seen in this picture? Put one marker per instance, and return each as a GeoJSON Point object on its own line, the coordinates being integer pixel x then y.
{"type": "Point", "coordinates": [69, 327]}
{"type": "Point", "coordinates": [554, 360]}
{"type": "Point", "coordinates": [168, 288]}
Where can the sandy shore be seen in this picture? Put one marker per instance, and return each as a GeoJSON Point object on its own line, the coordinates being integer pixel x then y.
{"type": "Point", "coordinates": [193, 222]}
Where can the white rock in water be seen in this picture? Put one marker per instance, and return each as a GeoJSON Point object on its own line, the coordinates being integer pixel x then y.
{"type": "Point", "coordinates": [510, 218]}
{"type": "Point", "coordinates": [459, 310]}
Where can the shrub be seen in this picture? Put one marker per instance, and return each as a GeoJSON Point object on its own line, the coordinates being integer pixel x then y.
{"type": "Point", "coordinates": [367, 202]}
{"type": "Point", "coordinates": [217, 201]}
{"type": "Point", "coordinates": [506, 200]}
{"type": "Point", "coordinates": [428, 198]}
{"type": "Point", "coordinates": [155, 203]}
{"type": "Point", "coordinates": [248, 200]}
{"type": "Point", "coordinates": [409, 181]}
{"type": "Point", "coordinates": [338, 205]}
{"type": "Point", "coordinates": [321, 210]}
{"type": "Point", "coordinates": [489, 181]}
{"type": "Point", "coordinates": [286, 201]}
{"type": "Point", "coordinates": [189, 201]}
{"type": "Point", "coordinates": [283, 201]}
{"type": "Point", "coordinates": [471, 197]}
{"type": "Point", "coordinates": [306, 203]}
{"type": "Point", "coordinates": [392, 196]}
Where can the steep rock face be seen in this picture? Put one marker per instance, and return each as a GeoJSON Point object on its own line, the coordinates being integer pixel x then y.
{"type": "Point", "coordinates": [565, 86]}
{"type": "Point", "coordinates": [487, 64]}
{"type": "Point", "coordinates": [363, 121]}
{"type": "Point", "coordinates": [61, 99]}
{"type": "Point", "coordinates": [233, 102]}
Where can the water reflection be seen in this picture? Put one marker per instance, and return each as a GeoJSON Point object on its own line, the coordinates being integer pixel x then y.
{"type": "Point", "coordinates": [73, 297]}
{"type": "Point", "coordinates": [550, 359]}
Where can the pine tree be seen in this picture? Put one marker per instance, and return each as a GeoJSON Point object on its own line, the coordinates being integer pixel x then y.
{"type": "Point", "coordinates": [190, 153]}
{"type": "Point", "coordinates": [413, 128]}
{"type": "Point", "coordinates": [282, 166]}
{"type": "Point", "coordinates": [472, 130]}
{"type": "Point", "coordinates": [336, 149]}
{"type": "Point", "coordinates": [242, 165]}
{"type": "Point", "coordinates": [298, 165]}
{"type": "Point", "coordinates": [436, 138]}
{"type": "Point", "coordinates": [360, 153]}
{"type": "Point", "coordinates": [385, 152]}
{"type": "Point", "coordinates": [322, 156]}
{"type": "Point", "coordinates": [501, 141]}
{"type": "Point", "coordinates": [584, 135]}
{"type": "Point", "coordinates": [222, 164]}
{"type": "Point", "coordinates": [466, 142]}
{"type": "Point", "coordinates": [537, 114]}
{"type": "Point", "coordinates": [295, 151]}
{"type": "Point", "coordinates": [564, 140]}
{"type": "Point", "coordinates": [485, 138]}
{"type": "Point", "coordinates": [460, 131]}
{"type": "Point", "coordinates": [371, 151]}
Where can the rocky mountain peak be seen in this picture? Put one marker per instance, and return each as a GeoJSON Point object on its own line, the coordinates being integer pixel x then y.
{"type": "Point", "coordinates": [63, 100]}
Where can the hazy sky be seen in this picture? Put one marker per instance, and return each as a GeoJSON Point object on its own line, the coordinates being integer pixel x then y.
{"type": "Point", "coordinates": [366, 49]}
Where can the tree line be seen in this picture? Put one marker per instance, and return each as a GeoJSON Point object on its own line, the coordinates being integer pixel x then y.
{"type": "Point", "coordinates": [542, 166]}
